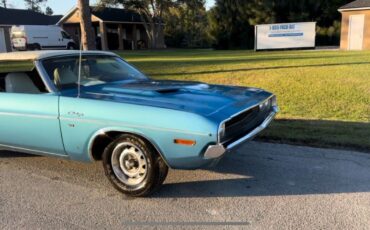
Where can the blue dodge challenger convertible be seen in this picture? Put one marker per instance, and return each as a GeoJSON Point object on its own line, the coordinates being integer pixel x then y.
{"type": "Point", "coordinates": [94, 106]}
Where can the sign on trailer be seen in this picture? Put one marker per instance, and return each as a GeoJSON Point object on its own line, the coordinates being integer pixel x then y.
{"type": "Point", "coordinates": [285, 36]}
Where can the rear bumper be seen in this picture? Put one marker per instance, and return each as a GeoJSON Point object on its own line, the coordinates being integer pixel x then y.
{"type": "Point", "coordinates": [218, 150]}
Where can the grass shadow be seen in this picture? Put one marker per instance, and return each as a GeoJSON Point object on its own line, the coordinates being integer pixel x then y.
{"type": "Point", "coordinates": [255, 69]}
{"type": "Point", "coordinates": [320, 133]}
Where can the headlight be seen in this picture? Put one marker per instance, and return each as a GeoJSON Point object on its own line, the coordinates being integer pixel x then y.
{"type": "Point", "coordinates": [273, 101]}
{"type": "Point", "coordinates": [268, 104]}
{"type": "Point", "coordinates": [221, 131]}
{"type": "Point", "coordinates": [265, 105]}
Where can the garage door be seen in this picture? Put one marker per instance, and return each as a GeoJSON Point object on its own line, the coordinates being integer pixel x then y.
{"type": "Point", "coordinates": [356, 31]}
{"type": "Point", "coordinates": [2, 41]}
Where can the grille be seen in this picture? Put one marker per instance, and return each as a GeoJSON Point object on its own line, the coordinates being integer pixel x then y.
{"type": "Point", "coordinates": [242, 124]}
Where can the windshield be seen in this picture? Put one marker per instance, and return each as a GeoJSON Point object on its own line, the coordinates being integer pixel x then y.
{"type": "Point", "coordinates": [95, 70]}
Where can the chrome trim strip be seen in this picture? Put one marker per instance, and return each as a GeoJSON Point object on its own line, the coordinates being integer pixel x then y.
{"type": "Point", "coordinates": [91, 141]}
{"type": "Point", "coordinates": [245, 110]}
{"type": "Point", "coordinates": [76, 53]}
{"type": "Point", "coordinates": [45, 77]}
{"type": "Point", "coordinates": [29, 115]}
{"type": "Point", "coordinates": [128, 125]}
{"type": "Point", "coordinates": [105, 130]}
{"type": "Point", "coordinates": [30, 151]}
{"type": "Point", "coordinates": [218, 150]}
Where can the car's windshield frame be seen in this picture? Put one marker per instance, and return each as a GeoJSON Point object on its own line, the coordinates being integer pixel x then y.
{"type": "Point", "coordinates": [84, 56]}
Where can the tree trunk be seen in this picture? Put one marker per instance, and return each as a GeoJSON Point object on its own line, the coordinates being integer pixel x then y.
{"type": "Point", "coordinates": [87, 33]}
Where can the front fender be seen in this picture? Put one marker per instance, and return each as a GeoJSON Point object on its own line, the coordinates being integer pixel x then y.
{"type": "Point", "coordinates": [82, 120]}
{"type": "Point", "coordinates": [175, 156]}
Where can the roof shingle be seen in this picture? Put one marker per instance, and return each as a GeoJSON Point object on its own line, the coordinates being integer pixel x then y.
{"type": "Point", "coordinates": [26, 17]}
{"type": "Point", "coordinates": [116, 14]}
{"type": "Point", "coordinates": [356, 4]}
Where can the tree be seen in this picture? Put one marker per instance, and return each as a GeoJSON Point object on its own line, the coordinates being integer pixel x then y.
{"type": "Point", "coordinates": [4, 2]}
{"type": "Point", "coordinates": [325, 13]}
{"type": "Point", "coordinates": [231, 22]}
{"type": "Point", "coordinates": [87, 33]}
{"type": "Point", "coordinates": [34, 5]}
{"type": "Point", "coordinates": [151, 12]}
{"type": "Point", "coordinates": [186, 25]}
{"type": "Point", "coordinates": [49, 11]}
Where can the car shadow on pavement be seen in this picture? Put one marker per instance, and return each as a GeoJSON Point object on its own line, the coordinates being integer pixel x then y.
{"type": "Point", "coordinates": [10, 154]}
{"type": "Point", "coordinates": [256, 169]}
{"type": "Point", "coordinates": [267, 175]}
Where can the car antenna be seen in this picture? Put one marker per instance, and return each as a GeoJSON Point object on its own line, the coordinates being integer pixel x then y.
{"type": "Point", "coordinates": [79, 70]}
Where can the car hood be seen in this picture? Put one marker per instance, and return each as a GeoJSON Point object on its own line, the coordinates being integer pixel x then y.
{"type": "Point", "coordinates": [196, 97]}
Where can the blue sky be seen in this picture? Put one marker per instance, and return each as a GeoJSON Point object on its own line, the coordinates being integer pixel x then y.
{"type": "Point", "coordinates": [63, 6]}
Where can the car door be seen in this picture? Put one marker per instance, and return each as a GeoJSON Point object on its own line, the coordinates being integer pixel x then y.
{"type": "Point", "coordinates": [30, 121]}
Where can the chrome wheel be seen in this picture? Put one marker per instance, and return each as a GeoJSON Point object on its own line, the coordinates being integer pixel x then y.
{"type": "Point", "coordinates": [129, 164]}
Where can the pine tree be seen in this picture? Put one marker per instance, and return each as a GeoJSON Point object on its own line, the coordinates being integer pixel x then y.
{"type": "Point", "coordinates": [4, 2]}
{"type": "Point", "coordinates": [34, 5]}
{"type": "Point", "coordinates": [49, 11]}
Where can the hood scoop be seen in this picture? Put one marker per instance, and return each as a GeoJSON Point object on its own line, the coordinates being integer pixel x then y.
{"type": "Point", "coordinates": [142, 91]}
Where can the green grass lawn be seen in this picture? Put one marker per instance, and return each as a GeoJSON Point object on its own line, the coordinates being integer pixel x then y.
{"type": "Point", "coordinates": [324, 96]}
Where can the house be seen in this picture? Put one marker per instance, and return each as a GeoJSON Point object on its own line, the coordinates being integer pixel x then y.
{"type": "Point", "coordinates": [10, 17]}
{"type": "Point", "coordinates": [114, 28]}
{"type": "Point", "coordinates": [355, 32]}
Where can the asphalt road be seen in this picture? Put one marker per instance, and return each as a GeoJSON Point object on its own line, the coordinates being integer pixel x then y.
{"type": "Point", "coordinates": [261, 186]}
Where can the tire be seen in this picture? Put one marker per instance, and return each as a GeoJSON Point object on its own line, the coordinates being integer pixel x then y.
{"type": "Point", "coordinates": [71, 46]}
{"type": "Point", "coordinates": [37, 47]}
{"type": "Point", "coordinates": [133, 166]}
{"type": "Point", "coordinates": [162, 174]}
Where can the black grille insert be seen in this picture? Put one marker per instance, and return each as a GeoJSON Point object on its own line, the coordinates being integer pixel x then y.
{"type": "Point", "coordinates": [242, 124]}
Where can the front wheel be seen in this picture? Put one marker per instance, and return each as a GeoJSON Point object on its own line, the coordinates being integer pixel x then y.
{"type": "Point", "coordinates": [133, 166]}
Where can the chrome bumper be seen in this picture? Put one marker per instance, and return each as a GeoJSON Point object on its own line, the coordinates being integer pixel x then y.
{"type": "Point", "coordinates": [216, 151]}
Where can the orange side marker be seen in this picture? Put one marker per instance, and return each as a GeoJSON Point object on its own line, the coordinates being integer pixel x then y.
{"type": "Point", "coordinates": [184, 142]}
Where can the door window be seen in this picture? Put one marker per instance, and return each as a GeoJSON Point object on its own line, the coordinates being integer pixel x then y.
{"type": "Point", "coordinates": [22, 82]}
{"type": "Point", "coordinates": [65, 35]}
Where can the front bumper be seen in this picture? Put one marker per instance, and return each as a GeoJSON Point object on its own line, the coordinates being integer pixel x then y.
{"type": "Point", "coordinates": [218, 150]}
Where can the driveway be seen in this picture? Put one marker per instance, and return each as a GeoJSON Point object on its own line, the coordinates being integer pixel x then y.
{"type": "Point", "coordinates": [261, 186]}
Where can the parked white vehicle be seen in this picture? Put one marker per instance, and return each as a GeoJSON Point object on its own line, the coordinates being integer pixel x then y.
{"type": "Point", "coordinates": [41, 37]}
